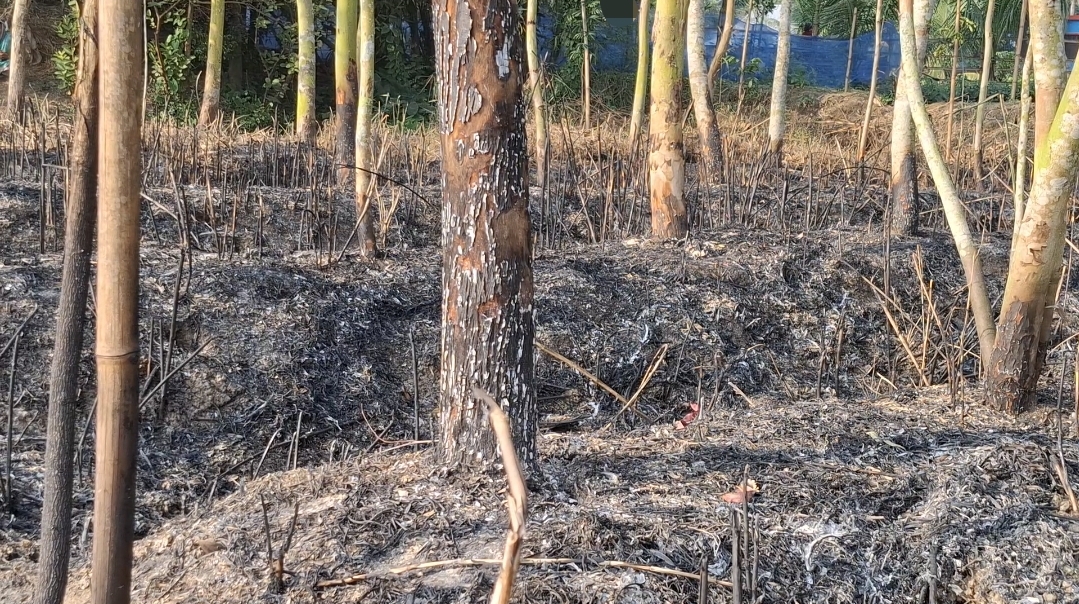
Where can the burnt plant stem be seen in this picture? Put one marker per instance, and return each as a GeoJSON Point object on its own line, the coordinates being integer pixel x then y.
{"type": "Point", "coordinates": [10, 424]}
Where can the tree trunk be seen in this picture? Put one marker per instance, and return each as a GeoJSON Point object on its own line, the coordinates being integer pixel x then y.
{"type": "Point", "coordinates": [952, 79]}
{"type": "Point", "coordinates": [850, 48]}
{"type": "Point", "coordinates": [79, 221]}
{"type": "Point", "coordinates": [954, 210]}
{"type": "Point", "coordinates": [117, 300]}
{"type": "Point", "coordinates": [863, 138]}
{"type": "Point", "coordinates": [905, 202]}
{"type": "Point", "coordinates": [1037, 256]}
{"type": "Point", "coordinates": [641, 88]}
{"type": "Point", "coordinates": [704, 115]}
{"type": "Point", "coordinates": [487, 320]}
{"type": "Point", "coordinates": [344, 73]}
{"type": "Point", "coordinates": [586, 67]}
{"type": "Point", "coordinates": [722, 47]}
{"type": "Point", "coordinates": [1019, 54]}
{"type": "Point", "coordinates": [983, 93]}
{"type": "Point", "coordinates": [666, 163]}
{"type": "Point", "coordinates": [744, 57]}
{"type": "Point", "coordinates": [16, 86]}
{"type": "Point", "coordinates": [210, 110]}
{"type": "Point", "coordinates": [305, 75]}
{"type": "Point", "coordinates": [1022, 156]}
{"type": "Point", "coordinates": [365, 41]}
{"type": "Point", "coordinates": [535, 87]}
{"type": "Point", "coordinates": [777, 115]}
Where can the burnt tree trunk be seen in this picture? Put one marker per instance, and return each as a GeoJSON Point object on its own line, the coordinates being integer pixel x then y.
{"type": "Point", "coordinates": [487, 322]}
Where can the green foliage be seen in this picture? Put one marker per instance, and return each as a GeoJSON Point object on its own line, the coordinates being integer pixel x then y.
{"type": "Point", "coordinates": [65, 61]}
{"type": "Point", "coordinates": [170, 64]}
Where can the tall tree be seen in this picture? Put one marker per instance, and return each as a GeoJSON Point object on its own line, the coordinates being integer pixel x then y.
{"type": "Point", "coordinates": [722, 46]}
{"type": "Point", "coordinates": [904, 190]}
{"type": "Point", "coordinates": [988, 50]}
{"type": "Point", "coordinates": [344, 74]}
{"type": "Point", "coordinates": [1037, 256]}
{"type": "Point", "coordinates": [878, 28]}
{"type": "Point", "coordinates": [703, 114]}
{"type": "Point", "coordinates": [305, 76]}
{"type": "Point", "coordinates": [487, 289]}
{"type": "Point", "coordinates": [16, 85]}
{"type": "Point", "coordinates": [210, 109]}
{"type": "Point", "coordinates": [365, 100]}
{"type": "Point", "coordinates": [535, 89]}
{"type": "Point", "coordinates": [666, 162]}
{"type": "Point", "coordinates": [79, 221]}
{"type": "Point", "coordinates": [777, 117]}
{"type": "Point", "coordinates": [120, 24]}
{"type": "Point", "coordinates": [640, 90]}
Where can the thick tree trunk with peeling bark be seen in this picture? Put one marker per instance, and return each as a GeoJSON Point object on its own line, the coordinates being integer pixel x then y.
{"type": "Point", "coordinates": [80, 209]}
{"type": "Point", "coordinates": [1037, 256]}
{"type": "Point", "coordinates": [666, 162]}
{"type": "Point", "coordinates": [120, 40]}
{"type": "Point", "coordinates": [210, 109]}
{"type": "Point", "coordinates": [906, 205]}
{"type": "Point", "coordinates": [535, 89]}
{"type": "Point", "coordinates": [777, 115]}
{"type": "Point", "coordinates": [703, 114]}
{"type": "Point", "coordinates": [487, 290]}
{"type": "Point", "coordinates": [344, 66]}
{"type": "Point", "coordinates": [640, 90]}
{"type": "Point", "coordinates": [365, 100]}
{"type": "Point", "coordinates": [305, 74]}
{"type": "Point", "coordinates": [16, 85]}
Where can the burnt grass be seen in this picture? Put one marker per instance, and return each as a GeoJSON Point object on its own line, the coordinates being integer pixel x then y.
{"type": "Point", "coordinates": [299, 389]}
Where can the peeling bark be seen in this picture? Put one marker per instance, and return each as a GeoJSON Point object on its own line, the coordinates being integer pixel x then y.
{"type": "Point", "coordinates": [703, 114]}
{"type": "Point", "coordinates": [666, 162]}
{"type": "Point", "coordinates": [487, 322]}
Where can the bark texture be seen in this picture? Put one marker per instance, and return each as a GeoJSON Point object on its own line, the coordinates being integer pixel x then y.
{"type": "Point", "coordinates": [1037, 256]}
{"type": "Point", "coordinates": [666, 162]}
{"type": "Point", "coordinates": [79, 221]}
{"type": "Point", "coordinates": [16, 85]}
{"type": "Point", "coordinates": [988, 50]}
{"type": "Point", "coordinates": [535, 88]}
{"type": "Point", "coordinates": [906, 204]}
{"type": "Point", "coordinates": [777, 115]}
{"type": "Point", "coordinates": [305, 75]}
{"type": "Point", "coordinates": [703, 114]}
{"type": "Point", "coordinates": [640, 90]}
{"type": "Point", "coordinates": [121, 55]}
{"type": "Point", "coordinates": [365, 41]}
{"type": "Point", "coordinates": [1050, 64]}
{"type": "Point", "coordinates": [344, 73]}
{"type": "Point", "coordinates": [487, 289]}
{"type": "Point", "coordinates": [210, 109]}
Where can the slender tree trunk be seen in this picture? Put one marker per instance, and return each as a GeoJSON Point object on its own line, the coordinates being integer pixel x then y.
{"type": "Point", "coordinates": [1019, 54]}
{"type": "Point", "coordinates": [16, 86]}
{"type": "Point", "coordinates": [305, 76]}
{"type": "Point", "coordinates": [210, 110]}
{"type": "Point", "coordinates": [487, 321]}
{"type": "Point", "coordinates": [119, 179]}
{"type": "Point", "coordinates": [988, 50]}
{"type": "Point", "coordinates": [905, 202]}
{"type": "Point", "coordinates": [365, 41]}
{"type": "Point", "coordinates": [744, 57]}
{"type": "Point", "coordinates": [666, 162]}
{"type": "Point", "coordinates": [1037, 256]}
{"type": "Point", "coordinates": [535, 87]}
{"type": "Point", "coordinates": [79, 222]}
{"type": "Point", "coordinates": [344, 67]}
{"type": "Point", "coordinates": [722, 47]}
{"type": "Point", "coordinates": [1021, 156]}
{"type": "Point", "coordinates": [586, 67]}
{"type": "Point", "coordinates": [952, 79]}
{"type": "Point", "coordinates": [954, 211]}
{"type": "Point", "coordinates": [850, 48]}
{"type": "Point", "coordinates": [704, 115]}
{"type": "Point", "coordinates": [863, 138]}
{"type": "Point", "coordinates": [777, 116]}
{"type": "Point", "coordinates": [641, 88]}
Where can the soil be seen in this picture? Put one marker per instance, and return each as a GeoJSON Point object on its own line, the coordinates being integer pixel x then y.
{"type": "Point", "coordinates": [310, 382]}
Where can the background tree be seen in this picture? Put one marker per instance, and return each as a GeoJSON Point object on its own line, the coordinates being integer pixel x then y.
{"type": "Point", "coordinates": [365, 41]}
{"type": "Point", "coordinates": [535, 88]}
{"type": "Point", "coordinates": [344, 74]}
{"type": "Point", "coordinates": [666, 162]}
{"type": "Point", "coordinates": [722, 46]}
{"type": "Point", "coordinates": [487, 321]}
{"type": "Point", "coordinates": [703, 113]}
{"type": "Point", "coordinates": [777, 116]}
{"type": "Point", "coordinates": [586, 67]}
{"type": "Point", "coordinates": [305, 76]}
{"type": "Point", "coordinates": [640, 88]}
{"type": "Point", "coordinates": [211, 90]}
{"type": "Point", "coordinates": [863, 138]}
{"type": "Point", "coordinates": [904, 186]}
{"type": "Point", "coordinates": [988, 52]}
{"type": "Point", "coordinates": [120, 24]}
{"type": "Point", "coordinates": [80, 208]}
{"type": "Point", "coordinates": [16, 86]}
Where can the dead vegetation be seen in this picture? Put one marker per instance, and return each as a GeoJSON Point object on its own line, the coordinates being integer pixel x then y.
{"type": "Point", "coordinates": [796, 345]}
